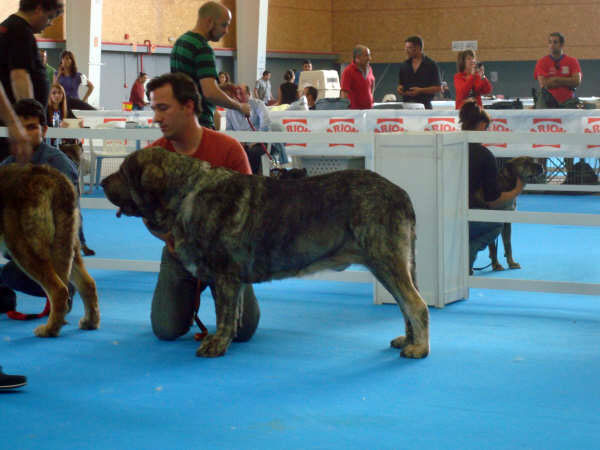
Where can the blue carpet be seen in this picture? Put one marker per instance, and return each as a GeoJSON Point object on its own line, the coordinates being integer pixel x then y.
{"type": "Point", "coordinates": [506, 370]}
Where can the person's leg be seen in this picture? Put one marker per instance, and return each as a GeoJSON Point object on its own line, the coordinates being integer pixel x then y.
{"type": "Point", "coordinates": [480, 235]}
{"type": "Point", "coordinates": [8, 299]}
{"type": "Point", "coordinates": [250, 315]}
{"type": "Point", "coordinates": [14, 278]}
{"type": "Point", "coordinates": [11, 381]}
{"type": "Point", "coordinates": [173, 302]}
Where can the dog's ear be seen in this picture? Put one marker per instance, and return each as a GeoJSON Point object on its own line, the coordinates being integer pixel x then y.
{"type": "Point", "coordinates": [153, 178]}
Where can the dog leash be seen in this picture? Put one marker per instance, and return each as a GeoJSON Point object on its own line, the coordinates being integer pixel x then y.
{"type": "Point", "coordinates": [15, 315]}
{"type": "Point", "coordinates": [274, 164]}
{"type": "Point", "coordinates": [203, 330]}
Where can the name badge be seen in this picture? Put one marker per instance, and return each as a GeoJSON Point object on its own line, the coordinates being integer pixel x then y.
{"type": "Point", "coordinates": [564, 70]}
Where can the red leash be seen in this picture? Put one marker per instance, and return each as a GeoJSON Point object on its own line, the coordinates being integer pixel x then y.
{"type": "Point", "coordinates": [15, 315]}
{"type": "Point", "coordinates": [261, 144]}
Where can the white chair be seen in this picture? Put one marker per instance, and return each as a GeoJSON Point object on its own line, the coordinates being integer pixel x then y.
{"type": "Point", "coordinates": [101, 149]}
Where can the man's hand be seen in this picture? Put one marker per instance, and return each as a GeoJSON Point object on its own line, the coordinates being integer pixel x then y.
{"type": "Point", "coordinates": [245, 109]}
{"type": "Point", "coordinates": [400, 89]}
{"type": "Point", "coordinates": [413, 91]}
{"type": "Point", "coordinates": [20, 144]}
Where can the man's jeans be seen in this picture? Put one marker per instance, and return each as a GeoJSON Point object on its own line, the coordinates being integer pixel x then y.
{"type": "Point", "coordinates": [480, 236]}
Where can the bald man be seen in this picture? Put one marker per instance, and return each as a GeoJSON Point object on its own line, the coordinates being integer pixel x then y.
{"type": "Point", "coordinates": [358, 81]}
{"type": "Point", "coordinates": [193, 56]}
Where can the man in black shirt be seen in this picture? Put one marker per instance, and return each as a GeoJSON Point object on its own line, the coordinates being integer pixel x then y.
{"type": "Point", "coordinates": [419, 78]}
{"type": "Point", "coordinates": [22, 72]}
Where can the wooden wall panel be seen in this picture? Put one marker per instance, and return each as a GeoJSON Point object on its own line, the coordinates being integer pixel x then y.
{"type": "Point", "coordinates": [156, 20]}
{"type": "Point", "coordinates": [306, 28]}
{"type": "Point", "coordinates": [506, 30]}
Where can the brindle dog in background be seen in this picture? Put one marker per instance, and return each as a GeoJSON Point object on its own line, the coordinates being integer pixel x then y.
{"type": "Point", "coordinates": [524, 168]}
{"type": "Point", "coordinates": [231, 229]}
{"type": "Point", "coordinates": [38, 228]}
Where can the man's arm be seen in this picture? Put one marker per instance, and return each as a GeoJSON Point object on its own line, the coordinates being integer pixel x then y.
{"type": "Point", "coordinates": [343, 94]}
{"type": "Point", "coordinates": [507, 196]}
{"type": "Point", "coordinates": [20, 145]}
{"type": "Point", "coordinates": [21, 84]}
{"type": "Point", "coordinates": [214, 94]}
{"type": "Point", "coordinates": [429, 90]}
{"type": "Point", "coordinates": [572, 81]}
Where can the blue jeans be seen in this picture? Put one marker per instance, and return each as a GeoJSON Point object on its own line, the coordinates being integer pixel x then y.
{"type": "Point", "coordinates": [481, 234]}
{"type": "Point", "coordinates": [13, 277]}
{"type": "Point", "coordinates": [174, 297]}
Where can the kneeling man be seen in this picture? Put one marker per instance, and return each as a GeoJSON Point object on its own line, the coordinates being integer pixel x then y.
{"type": "Point", "coordinates": [175, 101]}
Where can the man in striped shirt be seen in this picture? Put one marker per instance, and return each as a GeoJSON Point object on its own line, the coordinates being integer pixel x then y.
{"type": "Point", "coordinates": [193, 56]}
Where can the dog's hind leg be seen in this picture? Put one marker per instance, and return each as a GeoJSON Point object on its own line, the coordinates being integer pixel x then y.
{"type": "Point", "coordinates": [506, 240]}
{"type": "Point", "coordinates": [397, 274]}
{"type": "Point", "coordinates": [493, 249]}
{"type": "Point", "coordinates": [227, 295]}
{"type": "Point", "coordinates": [86, 286]}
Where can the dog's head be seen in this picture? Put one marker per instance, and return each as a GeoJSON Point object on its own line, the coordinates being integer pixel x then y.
{"type": "Point", "coordinates": [146, 184]}
{"type": "Point", "coordinates": [523, 167]}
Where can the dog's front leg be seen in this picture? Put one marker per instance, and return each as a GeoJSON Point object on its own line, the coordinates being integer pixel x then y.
{"type": "Point", "coordinates": [227, 295]}
{"type": "Point", "coordinates": [506, 239]}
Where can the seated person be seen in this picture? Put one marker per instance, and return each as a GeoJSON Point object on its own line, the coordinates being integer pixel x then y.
{"type": "Point", "coordinates": [311, 94]}
{"type": "Point", "coordinates": [483, 175]}
{"type": "Point", "coordinates": [32, 116]}
{"type": "Point", "coordinates": [288, 90]}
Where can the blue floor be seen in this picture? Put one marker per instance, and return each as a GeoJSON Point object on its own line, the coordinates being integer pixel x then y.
{"type": "Point", "coordinates": [506, 370]}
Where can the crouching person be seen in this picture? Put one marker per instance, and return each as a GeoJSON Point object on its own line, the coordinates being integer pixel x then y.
{"type": "Point", "coordinates": [175, 101]}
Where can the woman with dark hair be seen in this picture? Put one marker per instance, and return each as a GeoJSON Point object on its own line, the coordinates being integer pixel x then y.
{"type": "Point", "coordinates": [470, 81]}
{"type": "Point", "coordinates": [224, 78]}
{"type": "Point", "coordinates": [483, 179]}
{"type": "Point", "coordinates": [288, 91]}
{"type": "Point", "coordinates": [70, 79]}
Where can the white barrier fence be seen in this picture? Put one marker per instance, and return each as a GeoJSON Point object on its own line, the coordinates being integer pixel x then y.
{"type": "Point", "coordinates": [432, 167]}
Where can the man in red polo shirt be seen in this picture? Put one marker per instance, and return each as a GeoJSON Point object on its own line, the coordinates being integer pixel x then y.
{"type": "Point", "coordinates": [175, 100]}
{"type": "Point", "coordinates": [358, 82]}
{"type": "Point", "coordinates": [558, 73]}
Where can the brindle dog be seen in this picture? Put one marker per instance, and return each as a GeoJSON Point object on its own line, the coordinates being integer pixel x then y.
{"type": "Point", "coordinates": [524, 168]}
{"type": "Point", "coordinates": [38, 228]}
{"type": "Point", "coordinates": [231, 229]}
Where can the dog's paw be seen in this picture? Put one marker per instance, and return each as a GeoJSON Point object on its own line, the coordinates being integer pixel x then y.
{"type": "Point", "coordinates": [212, 346]}
{"type": "Point", "coordinates": [514, 265]}
{"type": "Point", "coordinates": [497, 267]}
{"type": "Point", "coordinates": [45, 331]}
{"type": "Point", "coordinates": [399, 342]}
{"type": "Point", "coordinates": [415, 351]}
{"type": "Point", "coordinates": [89, 323]}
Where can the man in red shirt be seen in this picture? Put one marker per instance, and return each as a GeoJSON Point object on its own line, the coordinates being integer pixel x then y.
{"type": "Point", "coordinates": [358, 82]}
{"type": "Point", "coordinates": [175, 100]}
{"type": "Point", "coordinates": [557, 73]}
{"type": "Point", "coordinates": [138, 97]}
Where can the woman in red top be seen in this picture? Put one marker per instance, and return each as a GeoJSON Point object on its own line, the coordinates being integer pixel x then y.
{"type": "Point", "coordinates": [470, 81]}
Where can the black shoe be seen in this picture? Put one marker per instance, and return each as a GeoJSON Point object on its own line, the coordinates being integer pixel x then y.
{"type": "Point", "coordinates": [8, 300]}
{"type": "Point", "coordinates": [11, 381]}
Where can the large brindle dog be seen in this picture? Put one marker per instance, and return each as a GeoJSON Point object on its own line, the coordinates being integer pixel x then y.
{"type": "Point", "coordinates": [524, 168]}
{"type": "Point", "coordinates": [231, 229]}
{"type": "Point", "coordinates": [38, 230]}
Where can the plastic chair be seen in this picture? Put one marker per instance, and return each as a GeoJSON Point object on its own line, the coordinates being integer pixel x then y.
{"type": "Point", "coordinates": [108, 148]}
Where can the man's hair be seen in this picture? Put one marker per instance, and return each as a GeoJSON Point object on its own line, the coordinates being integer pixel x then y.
{"type": "Point", "coordinates": [142, 74]}
{"type": "Point", "coordinates": [47, 5]}
{"type": "Point", "coordinates": [357, 51]}
{"type": "Point", "coordinates": [306, 61]}
{"type": "Point", "coordinates": [29, 107]}
{"type": "Point", "coordinates": [415, 40]}
{"type": "Point", "coordinates": [461, 60]}
{"type": "Point", "coordinates": [471, 114]}
{"type": "Point", "coordinates": [266, 72]}
{"type": "Point", "coordinates": [183, 86]}
{"type": "Point", "coordinates": [560, 37]}
{"type": "Point", "coordinates": [211, 9]}
{"type": "Point", "coordinates": [312, 91]}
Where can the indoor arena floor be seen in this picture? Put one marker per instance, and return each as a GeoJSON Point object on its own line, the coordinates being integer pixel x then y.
{"type": "Point", "coordinates": [506, 370]}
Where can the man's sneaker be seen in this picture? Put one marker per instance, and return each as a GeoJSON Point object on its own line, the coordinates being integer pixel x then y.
{"type": "Point", "coordinates": [8, 299]}
{"type": "Point", "coordinates": [11, 381]}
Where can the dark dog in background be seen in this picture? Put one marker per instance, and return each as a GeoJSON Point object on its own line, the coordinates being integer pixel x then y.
{"type": "Point", "coordinates": [39, 219]}
{"type": "Point", "coordinates": [524, 168]}
{"type": "Point", "coordinates": [230, 229]}
{"type": "Point", "coordinates": [74, 152]}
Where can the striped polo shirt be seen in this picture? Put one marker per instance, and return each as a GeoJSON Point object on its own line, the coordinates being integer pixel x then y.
{"type": "Point", "coordinates": [193, 56]}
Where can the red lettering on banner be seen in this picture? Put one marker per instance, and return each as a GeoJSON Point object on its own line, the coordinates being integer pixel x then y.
{"type": "Point", "coordinates": [296, 126]}
{"type": "Point", "coordinates": [593, 126]}
{"type": "Point", "coordinates": [441, 124]}
{"type": "Point", "coordinates": [552, 125]}
{"type": "Point", "coordinates": [500, 126]}
{"type": "Point", "coordinates": [342, 126]}
{"type": "Point", "coordinates": [390, 125]}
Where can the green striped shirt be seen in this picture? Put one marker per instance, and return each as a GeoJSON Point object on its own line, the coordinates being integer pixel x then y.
{"type": "Point", "coordinates": [193, 56]}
